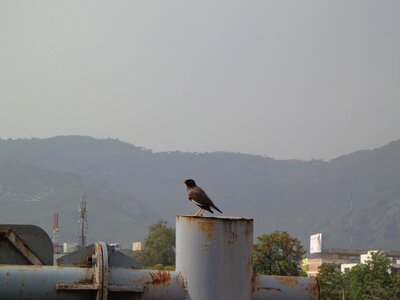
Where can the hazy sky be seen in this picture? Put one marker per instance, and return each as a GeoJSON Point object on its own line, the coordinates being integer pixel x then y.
{"type": "Point", "coordinates": [288, 79]}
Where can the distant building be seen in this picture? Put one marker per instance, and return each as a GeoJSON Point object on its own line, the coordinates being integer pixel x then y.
{"type": "Point", "coordinates": [137, 246]}
{"type": "Point", "coordinates": [345, 268]}
{"type": "Point", "coordinates": [346, 259]}
{"type": "Point", "coordinates": [316, 243]}
{"type": "Point", "coordinates": [58, 248]}
{"type": "Point", "coordinates": [332, 256]}
{"type": "Point", "coordinates": [69, 247]}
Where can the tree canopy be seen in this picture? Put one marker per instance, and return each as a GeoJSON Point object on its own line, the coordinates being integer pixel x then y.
{"type": "Point", "coordinates": [159, 246]}
{"type": "Point", "coordinates": [371, 280]}
{"type": "Point", "coordinates": [331, 282]}
{"type": "Point", "coordinates": [277, 254]}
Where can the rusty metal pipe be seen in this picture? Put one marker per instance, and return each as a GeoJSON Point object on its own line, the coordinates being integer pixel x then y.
{"type": "Point", "coordinates": [32, 282]}
{"type": "Point", "coordinates": [125, 283]}
{"type": "Point", "coordinates": [51, 282]}
{"type": "Point", "coordinates": [285, 288]}
{"type": "Point", "coordinates": [213, 260]}
{"type": "Point", "coordinates": [215, 256]}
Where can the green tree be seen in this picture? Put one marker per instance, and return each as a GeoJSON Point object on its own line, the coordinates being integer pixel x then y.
{"type": "Point", "coordinates": [371, 280]}
{"type": "Point", "coordinates": [277, 254]}
{"type": "Point", "coordinates": [159, 246]}
{"type": "Point", "coordinates": [331, 282]}
{"type": "Point", "coordinates": [394, 290]}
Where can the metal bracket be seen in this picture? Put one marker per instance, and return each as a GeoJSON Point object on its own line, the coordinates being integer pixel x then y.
{"type": "Point", "coordinates": [18, 243]}
{"type": "Point", "coordinates": [100, 269]}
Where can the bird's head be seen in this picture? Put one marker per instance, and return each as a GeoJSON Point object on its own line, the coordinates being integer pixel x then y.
{"type": "Point", "coordinates": [189, 183]}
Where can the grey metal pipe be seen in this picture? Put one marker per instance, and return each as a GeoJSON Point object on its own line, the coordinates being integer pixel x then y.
{"type": "Point", "coordinates": [51, 282]}
{"type": "Point", "coordinates": [285, 288]}
{"type": "Point", "coordinates": [31, 282]}
{"type": "Point", "coordinates": [145, 284]}
{"type": "Point", "coordinates": [215, 256]}
{"type": "Point", "coordinates": [213, 260]}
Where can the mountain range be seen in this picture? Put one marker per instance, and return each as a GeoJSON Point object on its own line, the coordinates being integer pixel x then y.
{"type": "Point", "coordinates": [354, 200]}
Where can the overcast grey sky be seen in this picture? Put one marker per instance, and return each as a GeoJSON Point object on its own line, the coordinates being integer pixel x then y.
{"type": "Point", "coordinates": [288, 79]}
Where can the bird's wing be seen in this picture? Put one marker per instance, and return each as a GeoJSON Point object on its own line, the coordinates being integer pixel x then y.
{"type": "Point", "coordinates": [199, 196]}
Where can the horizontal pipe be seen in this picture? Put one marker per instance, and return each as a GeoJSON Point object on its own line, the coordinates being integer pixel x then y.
{"type": "Point", "coordinates": [285, 287]}
{"type": "Point", "coordinates": [146, 284]}
{"type": "Point", "coordinates": [32, 282]}
{"type": "Point", "coordinates": [52, 282]}
{"type": "Point", "coordinates": [41, 282]}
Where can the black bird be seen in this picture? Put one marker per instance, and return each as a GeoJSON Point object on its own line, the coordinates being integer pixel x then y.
{"type": "Point", "coordinates": [199, 197]}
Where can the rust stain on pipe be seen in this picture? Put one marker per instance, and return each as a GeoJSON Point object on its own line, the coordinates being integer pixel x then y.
{"type": "Point", "coordinates": [270, 289]}
{"type": "Point", "coordinates": [315, 290]}
{"type": "Point", "coordinates": [288, 281]}
{"type": "Point", "coordinates": [255, 282]}
{"type": "Point", "coordinates": [160, 277]}
{"type": "Point", "coordinates": [232, 237]}
{"type": "Point", "coordinates": [208, 228]}
{"type": "Point", "coordinates": [257, 285]}
{"type": "Point", "coordinates": [189, 219]}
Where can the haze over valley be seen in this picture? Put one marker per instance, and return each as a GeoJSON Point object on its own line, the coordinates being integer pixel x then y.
{"type": "Point", "coordinates": [129, 187]}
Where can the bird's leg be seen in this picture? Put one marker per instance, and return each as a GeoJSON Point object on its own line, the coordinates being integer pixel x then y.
{"type": "Point", "coordinates": [200, 212]}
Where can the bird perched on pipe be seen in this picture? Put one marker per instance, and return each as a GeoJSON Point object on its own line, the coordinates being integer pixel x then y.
{"type": "Point", "coordinates": [199, 197]}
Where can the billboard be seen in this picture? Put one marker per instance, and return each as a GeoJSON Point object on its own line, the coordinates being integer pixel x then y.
{"type": "Point", "coordinates": [316, 243]}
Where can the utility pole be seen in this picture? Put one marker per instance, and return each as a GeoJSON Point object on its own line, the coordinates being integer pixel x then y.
{"type": "Point", "coordinates": [351, 222]}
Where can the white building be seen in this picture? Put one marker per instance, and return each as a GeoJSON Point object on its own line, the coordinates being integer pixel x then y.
{"type": "Point", "coordinates": [69, 247]}
{"type": "Point", "coordinates": [137, 246]}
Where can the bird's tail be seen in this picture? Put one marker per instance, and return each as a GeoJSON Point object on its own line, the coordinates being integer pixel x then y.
{"type": "Point", "coordinates": [217, 208]}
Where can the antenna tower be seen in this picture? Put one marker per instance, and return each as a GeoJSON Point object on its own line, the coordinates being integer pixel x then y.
{"type": "Point", "coordinates": [83, 224]}
{"type": "Point", "coordinates": [56, 231]}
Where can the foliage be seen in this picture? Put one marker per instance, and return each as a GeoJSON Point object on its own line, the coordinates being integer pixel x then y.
{"type": "Point", "coordinates": [395, 287]}
{"type": "Point", "coordinates": [159, 246]}
{"type": "Point", "coordinates": [277, 254]}
{"type": "Point", "coordinates": [371, 280]}
{"type": "Point", "coordinates": [331, 281]}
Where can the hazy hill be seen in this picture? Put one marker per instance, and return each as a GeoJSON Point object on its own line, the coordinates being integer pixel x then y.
{"type": "Point", "coordinates": [129, 188]}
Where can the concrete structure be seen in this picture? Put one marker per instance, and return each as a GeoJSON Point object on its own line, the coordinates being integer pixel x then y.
{"type": "Point", "coordinates": [365, 257]}
{"type": "Point", "coordinates": [69, 247]}
{"type": "Point", "coordinates": [345, 268]}
{"type": "Point", "coordinates": [394, 257]}
{"type": "Point", "coordinates": [333, 256]}
{"type": "Point", "coordinates": [345, 259]}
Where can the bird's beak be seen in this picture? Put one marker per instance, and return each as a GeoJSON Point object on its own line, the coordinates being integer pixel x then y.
{"type": "Point", "coordinates": [183, 181]}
